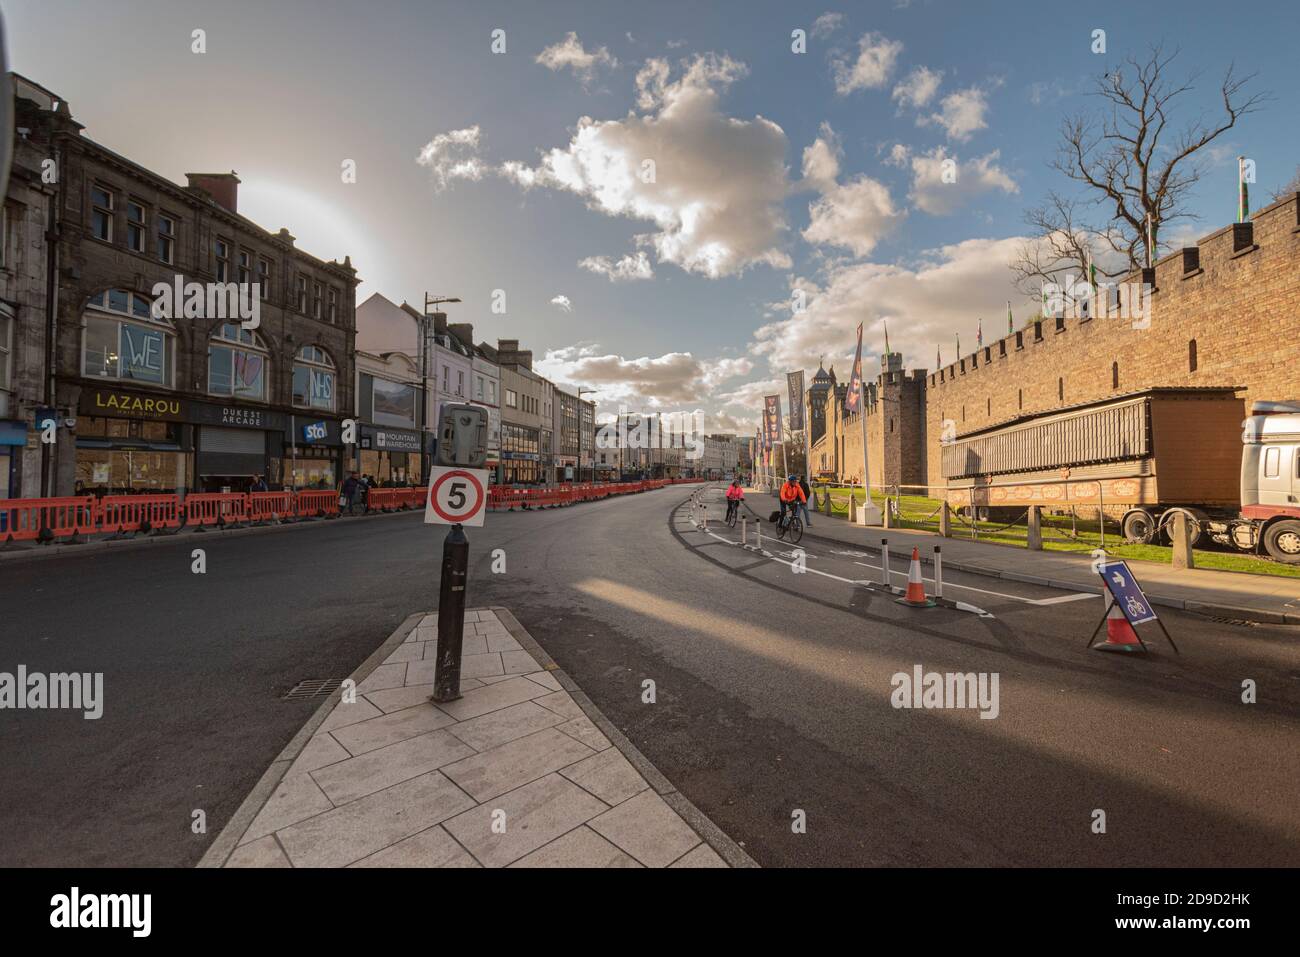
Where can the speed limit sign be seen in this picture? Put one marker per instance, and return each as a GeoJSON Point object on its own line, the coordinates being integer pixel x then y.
{"type": "Point", "coordinates": [456, 496]}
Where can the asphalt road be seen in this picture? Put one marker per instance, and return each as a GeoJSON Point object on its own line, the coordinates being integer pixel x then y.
{"type": "Point", "coordinates": [771, 693]}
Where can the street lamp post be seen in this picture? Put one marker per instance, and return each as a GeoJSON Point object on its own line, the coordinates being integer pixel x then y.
{"type": "Point", "coordinates": [582, 428]}
{"type": "Point", "coordinates": [423, 324]}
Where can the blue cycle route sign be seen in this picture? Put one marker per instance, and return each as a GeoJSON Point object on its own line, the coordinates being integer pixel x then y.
{"type": "Point", "coordinates": [1127, 592]}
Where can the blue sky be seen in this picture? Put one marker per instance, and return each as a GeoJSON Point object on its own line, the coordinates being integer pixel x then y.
{"type": "Point", "coordinates": [734, 220]}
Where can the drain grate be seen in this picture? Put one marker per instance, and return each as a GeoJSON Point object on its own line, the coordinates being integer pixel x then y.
{"type": "Point", "coordinates": [1235, 621]}
{"type": "Point", "coordinates": [313, 688]}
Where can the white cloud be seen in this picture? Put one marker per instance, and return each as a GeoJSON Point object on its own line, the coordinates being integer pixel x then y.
{"type": "Point", "coordinates": [563, 302]}
{"type": "Point", "coordinates": [718, 183]}
{"type": "Point", "coordinates": [453, 155]}
{"type": "Point", "coordinates": [973, 177]}
{"type": "Point", "coordinates": [821, 160]}
{"type": "Point", "coordinates": [626, 268]}
{"type": "Point", "coordinates": [877, 56]}
{"type": "Point", "coordinates": [569, 54]}
{"type": "Point", "coordinates": [918, 88]}
{"type": "Point", "coordinates": [827, 24]}
{"type": "Point", "coordinates": [855, 215]}
{"type": "Point", "coordinates": [961, 114]}
{"type": "Point", "coordinates": [927, 304]}
{"type": "Point", "coordinates": [669, 381]}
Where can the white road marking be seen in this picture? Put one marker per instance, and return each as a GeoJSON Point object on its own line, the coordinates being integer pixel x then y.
{"type": "Point", "coordinates": [1059, 599]}
{"type": "Point", "coordinates": [961, 605]}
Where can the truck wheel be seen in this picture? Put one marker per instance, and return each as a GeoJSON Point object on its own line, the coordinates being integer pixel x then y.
{"type": "Point", "coordinates": [1282, 541]}
{"type": "Point", "coordinates": [1138, 526]}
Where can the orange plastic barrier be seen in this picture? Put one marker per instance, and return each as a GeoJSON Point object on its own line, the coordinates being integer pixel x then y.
{"type": "Point", "coordinates": [269, 506]}
{"type": "Point", "coordinates": [386, 499]}
{"type": "Point", "coordinates": [22, 519]}
{"type": "Point", "coordinates": [129, 513]}
{"type": "Point", "coordinates": [216, 508]}
{"type": "Point", "coordinates": [312, 503]}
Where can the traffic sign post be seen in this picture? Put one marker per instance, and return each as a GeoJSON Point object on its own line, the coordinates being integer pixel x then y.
{"type": "Point", "coordinates": [1129, 598]}
{"type": "Point", "coordinates": [456, 497]}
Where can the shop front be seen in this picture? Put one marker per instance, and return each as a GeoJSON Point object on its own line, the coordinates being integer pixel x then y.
{"type": "Point", "coordinates": [233, 445]}
{"type": "Point", "coordinates": [132, 442]}
{"type": "Point", "coordinates": [311, 454]}
{"type": "Point", "coordinates": [392, 456]}
{"type": "Point", "coordinates": [13, 439]}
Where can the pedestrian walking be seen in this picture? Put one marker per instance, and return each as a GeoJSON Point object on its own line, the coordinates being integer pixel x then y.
{"type": "Point", "coordinates": [803, 506]}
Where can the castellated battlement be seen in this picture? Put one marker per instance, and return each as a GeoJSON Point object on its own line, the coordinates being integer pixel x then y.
{"type": "Point", "coordinates": [1225, 312]}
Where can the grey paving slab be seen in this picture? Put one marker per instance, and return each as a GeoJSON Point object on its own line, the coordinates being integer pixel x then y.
{"type": "Point", "coordinates": [407, 651]}
{"type": "Point", "coordinates": [498, 727]}
{"type": "Point", "coordinates": [477, 666]}
{"type": "Point", "coordinates": [264, 852]}
{"type": "Point", "coordinates": [356, 830]}
{"type": "Point", "coordinates": [321, 750]}
{"type": "Point", "coordinates": [501, 641]}
{"type": "Point", "coordinates": [648, 829]}
{"type": "Point", "coordinates": [424, 672]}
{"type": "Point", "coordinates": [702, 856]}
{"type": "Point", "coordinates": [545, 679]}
{"type": "Point", "coordinates": [510, 765]}
{"type": "Point", "coordinates": [431, 848]}
{"type": "Point", "coordinates": [296, 798]}
{"type": "Point", "coordinates": [345, 714]}
{"type": "Point", "coordinates": [356, 777]}
{"type": "Point", "coordinates": [390, 728]}
{"type": "Point", "coordinates": [561, 703]}
{"type": "Point", "coordinates": [470, 644]}
{"type": "Point", "coordinates": [493, 697]}
{"type": "Point", "coordinates": [581, 847]}
{"type": "Point", "coordinates": [581, 729]}
{"type": "Point", "coordinates": [493, 679]}
{"type": "Point", "coordinates": [608, 775]}
{"type": "Point", "coordinates": [534, 815]}
{"type": "Point", "coordinates": [518, 662]}
{"type": "Point", "coordinates": [385, 676]}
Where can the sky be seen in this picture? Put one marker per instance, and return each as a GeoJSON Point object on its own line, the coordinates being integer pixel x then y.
{"type": "Point", "coordinates": [665, 201]}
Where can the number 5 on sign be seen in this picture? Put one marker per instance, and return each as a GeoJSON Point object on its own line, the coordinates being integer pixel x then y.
{"type": "Point", "coordinates": [456, 496]}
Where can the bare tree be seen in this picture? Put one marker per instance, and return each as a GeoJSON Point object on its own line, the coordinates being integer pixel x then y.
{"type": "Point", "coordinates": [1292, 186]}
{"type": "Point", "coordinates": [1131, 165]}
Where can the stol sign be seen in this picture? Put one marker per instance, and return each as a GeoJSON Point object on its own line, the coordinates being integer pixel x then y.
{"type": "Point", "coordinates": [456, 496]}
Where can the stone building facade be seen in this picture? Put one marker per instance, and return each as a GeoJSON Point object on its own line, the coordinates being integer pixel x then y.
{"type": "Point", "coordinates": [896, 427]}
{"type": "Point", "coordinates": [1224, 313]}
{"type": "Point", "coordinates": [162, 400]}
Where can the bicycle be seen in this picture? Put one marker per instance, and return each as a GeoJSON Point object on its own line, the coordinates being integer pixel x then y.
{"type": "Point", "coordinates": [733, 511]}
{"type": "Point", "coordinates": [789, 527]}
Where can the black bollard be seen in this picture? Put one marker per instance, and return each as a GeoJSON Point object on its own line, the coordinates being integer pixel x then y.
{"type": "Point", "coordinates": [451, 615]}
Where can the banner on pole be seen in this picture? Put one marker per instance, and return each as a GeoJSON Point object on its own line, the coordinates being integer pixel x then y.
{"type": "Point", "coordinates": [853, 399]}
{"type": "Point", "coordinates": [794, 384]}
{"type": "Point", "coordinates": [772, 420]}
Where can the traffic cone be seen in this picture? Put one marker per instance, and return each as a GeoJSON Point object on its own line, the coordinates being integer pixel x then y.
{"type": "Point", "coordinates": [1120, 635]}
{"type": "Point", "coordinates": [914, 597]}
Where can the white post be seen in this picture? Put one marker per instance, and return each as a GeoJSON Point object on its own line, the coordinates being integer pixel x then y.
{"type": "Point", "coordinates": [758, 532]}
{"type": "Point", "coordinates": [744, 531]}
{"type": "Point", "coordinates": [938, 573]}
{"type": "Point", "coordinates": [884, 562]}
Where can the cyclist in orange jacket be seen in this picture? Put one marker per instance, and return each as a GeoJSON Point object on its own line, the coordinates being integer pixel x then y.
{"type": "Point", "coordinates": [792, 496]}
{"type": "Point", "coordinates": [735, 495]}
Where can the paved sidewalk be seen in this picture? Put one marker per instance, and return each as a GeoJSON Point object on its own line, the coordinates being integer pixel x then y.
{"type": "Point", "coordinates": [515, 773]}
{"type": "Point", "coordinates": [1266, 598]}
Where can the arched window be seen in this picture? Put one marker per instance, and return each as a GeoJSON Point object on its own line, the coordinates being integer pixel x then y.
{"type": "Point", "coordinates": [124, 340]}
{"type": "Point", "coordinates": [237, 363]}
{"type": "Point", "coordinates": [1191, 355]}
{"type": "Point", "coordinates": [314, 379]}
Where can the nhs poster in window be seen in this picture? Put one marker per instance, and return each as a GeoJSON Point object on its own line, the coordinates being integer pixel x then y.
{"type": "Point", "coordinates": [144, 354]}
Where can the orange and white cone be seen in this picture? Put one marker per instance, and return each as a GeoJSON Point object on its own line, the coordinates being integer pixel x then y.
{"type": "Point", "coordinates": [915, 594]}
{"type": "Point", "coordinates": [1120, 635]}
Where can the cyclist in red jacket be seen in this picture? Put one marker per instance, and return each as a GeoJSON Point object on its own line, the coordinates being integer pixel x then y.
{"type": "Point", "coordinates": [735, 495]}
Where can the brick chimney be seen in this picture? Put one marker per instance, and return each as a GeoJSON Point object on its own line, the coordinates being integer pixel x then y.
{"type": "Point", "coordinates": [222, 187]}
{"type": "Point", "coordinates": [464, 331]}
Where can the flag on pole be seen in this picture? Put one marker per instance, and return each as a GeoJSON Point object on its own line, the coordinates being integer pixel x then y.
{"type": "Point", "coordinates": [794, 385]}
{"type": "Point", "coordinates": [979, 334]}
{"type": "Point", "coordinates": [886, 325]}
{"type": "Point", "coordinates": [1011, 325]}
{"type": "Point", "coordinates": [938, 360]}
{"type": "Point", "coordinates": [853, 398]}
{"type": "Point", "coordinates": [1243, 191]}
{"type": "Point", "coordinates": [958, 335]}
